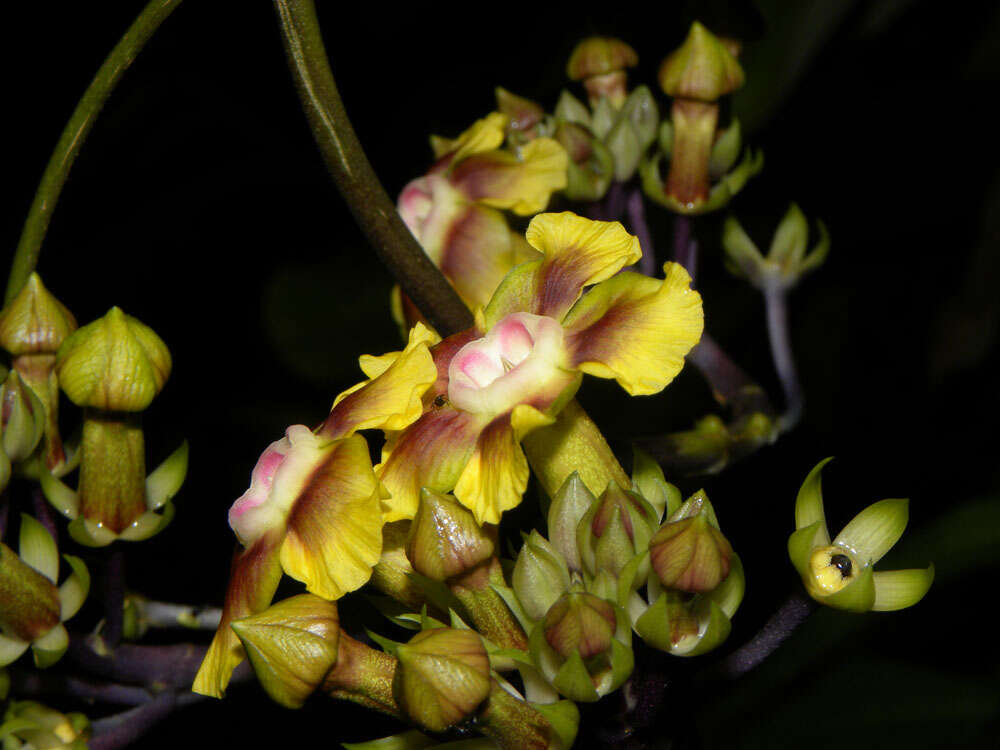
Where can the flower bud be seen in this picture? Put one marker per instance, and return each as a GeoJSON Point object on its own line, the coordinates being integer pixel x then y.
{"type": "Point", "coordinates": [524, 116]}
{"type": "Point", "coordinates": [115, 363]}
{"type": "Point", "coordinates": [35, 322]}
{"type": "Point", "coordinates": [580, 623]}
{"type": "Point", "coordinates": [22, 418]}
{"type": "Point", "coordinates": [702, 68]}
{"type": "Point", "coordinates": [30, 605]}
{"type": "Point", "coordinates": [444, 538]}
{"type": "Point", "coordinates": [292, 646]}
{"type": "Point", "coordinates": [28, 724]}
{"type": "Point", "coordinates": [540, 576]}
{"type": "Point", "coordinates": [786, 261]}
{"type": "Point", "coordinates": [442, 677]}
{"type": "Point", "coordinates": [689, 553]}
{"type": "Point", "coordinates": [570, 504]}
{"type": "Point", "coordinates": [591, 165]}
{"type": "Point", "coordinates": [616, 528]}
{"type": "Point", "coordinates": [600, 62]}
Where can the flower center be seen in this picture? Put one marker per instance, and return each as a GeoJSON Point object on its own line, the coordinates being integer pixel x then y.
{"type": "Point", "coordinates": [832, 569]}
{"type": "Point", "coordinates": [521, 360]}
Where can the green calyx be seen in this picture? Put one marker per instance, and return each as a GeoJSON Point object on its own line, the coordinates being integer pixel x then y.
{"type": "Point", "coordinates": [702, 68]}
{"type": "Point", "coordinates": [787, 260]}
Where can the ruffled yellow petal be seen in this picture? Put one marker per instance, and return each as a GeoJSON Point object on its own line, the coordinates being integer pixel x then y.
{"type": "Point", "coordinates": [496, 475]}
{"type": "Point", "coordinates": [253, 579]}
{"type": "Point", "coordinates": [636, 329]}
{"type": "Point", "coordinates": [392, 399]}
{"type": "Point", "coordinates": [334, 535]}
{"type": "Point", "coordinates": [432, 452]}
{"type": "Point", "coordinates": [483, 135]}
{"type": "Point", "coordinates": [502, 180]}
{"type": "Point", "coordinates": [577, 252]}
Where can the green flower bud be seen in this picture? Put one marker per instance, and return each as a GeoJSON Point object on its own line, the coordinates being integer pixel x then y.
{"type": "Point", "coordinates": [115, 363]}
{"type": "Point", "coordinates": [540, 576]}
{"type": "Point", "coordinates": [648, 481]}
{"type": "Point", "coordinates": [442, 677]}
{"type": "Point", "coordinates": [35, 322]}
{"type": "Point", "coordinates": [444, 539]}
{"type": "Point", "coordinates": [600, 62]}
{"type": "Point", "coordinates": [568, 507]}
{"type": "Point", "coordinates": [591, 165]}
{"type": "Point", "coordinates": [22, 418]}
{"type": "Point", "coordinates": [525, 116]}
{"type": "Point", "coordinates": [583, 646]}
{"type": "Point", "coordinates": [689, 552]}
{"type": "Point", "coordinates": [292, 646]}
{"type": "Point", "coordinates": [28, 724]}
{"type": "Point", "coordinates": [614, 530]}
{"type": "Point", "coordinates": [702, 68]}
{"type": "Point", "coordinates": [30, 605]}
{"type": "Point", "coordinates": [786, 261]}
{"type": "Point", "coordinates": [571, 109]}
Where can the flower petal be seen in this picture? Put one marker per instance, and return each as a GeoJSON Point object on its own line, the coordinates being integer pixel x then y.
{"type": "Point", "coordinates": [38, 548]}
{"type": "Point", "coordinates": [809, 503]}
{"type": "Point", "coordinates": [11, 649]}
{"type": "Point", "coordinates": [483, 135]}
{"type": "Point", "coordinates": [898, 589]}
{"type": "Point", "coordinates": [432, 452]}
{"type": "Point", "coordinates": [872, 532]}
{"type": "Point", "coordinates": [857, 596]}
{"type": "Point", "coordinates": [577, 252]}
{"type": "Point", "coordinates": [495, 477]}
{"type": "Point", "coordinates": [253, 579]}
{"type": "Point", "coordinates": [334, 535]}
{"type": "Point", "coordinates": [502, 180]}
{"type": "Point", "coordinates": [477, 252]}
{"type": "Point", "coordinates": [635, 329]}
{"type": "Point", "coordinates": [390, 401]}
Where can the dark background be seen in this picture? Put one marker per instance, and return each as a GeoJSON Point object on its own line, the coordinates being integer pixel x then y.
{"type": "Point", "coordinates": [200, 205]}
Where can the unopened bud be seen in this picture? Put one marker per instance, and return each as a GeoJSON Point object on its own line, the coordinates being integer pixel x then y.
{"type": "Point", "coordinates": [616, 528]}
{"type": "Point", "coordinates": [540, 576]}
{"type": "Point", "coordinates": [524, 115]}
{"type": "Point", "coordinates": [115, 363]}
{"type": "Point", "coordinates": [600, 62]}
{"type": "Point", "coordinates": [580, 623]}
{"type": "Point", "coordinates": [570, 504]}
{"type": "Point", "coordinates": [444, 538]}
{"type": "Point", "coordinates": [702, 68]}
{"type": "Point", "coordinates": [22, 418]}
{"type": "Point", "coordinates": [29, 724]}
{"type": "Point", "coordinates": [292, 646]}
{"type": "Point", "coordinates": [35, 322]}
{"type": "Point", "coordinates": [442, 677]}
{"type": "Point", "coordinates": [689, 553]}
{"type": "Point", "coordinates": [30, 605]}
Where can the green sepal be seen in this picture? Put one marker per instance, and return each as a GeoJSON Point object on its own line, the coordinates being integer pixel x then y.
{"type": "Point", "coordinates": [604, 585]}
{"type": "Point", "coordinates": [540, 575]}
{"type": "Point", "coordinates": [411, 740]}
{"type": "Point", "coordinates": [630, 580]}
{"type": "Point", "coordinates": [710, 636]}
{"type": "Point", "coordinates": [788, 247]}
{"type": "Point", "coordinates": [729, 594]}
{"type": "Point", "coordinates": [726, 150]}
{"type": "Point", "coordinates": [573, 680]}
{"type": "Point", "coordinates": [166, 479]}
{"type": "Point", "coordinates": [11, 649]}
{"type": "Point", "coordinates": [149, 524]}
{"type": "Point", "coordinates": [89, 534]}
{"type": "Point", "coordinates": [857, 596]}
{"type": "Point", "coordinates": [73, 592]}
{"type": "Point", "coordinates": [653, 626]}
{"type": "Point", "coordinates": [37, 548]}
{"type": "Point", "coordinates": [60, 496]}
{"type": "Point", "coordinates": [641, 111]}
{"type": "Point", "coordinates": [809, 502]}
{"type": "Point", "coordinates": [510, 599]}
{"type": "Point", "coordinates": [602, 119]}
{"type": "Point", "coordinates": [802, 543]}
{"type": "Point", "coordinates": [571, 109]}
{"type": "Point", "coordinates": [874, 531]}
{"type": "Point", "coordinates": [899, 589]}
{"type": "Point", "coordinates": [665, 137]}
{"type": "Point", "coordinates": [564, 718]}
{"type": "Point", "coordinates": [386, 644]}
{"type": "Point", "coordinates": [536, 688]}
{"type": "Point", "coordinates": [818, 254]}
{"type": "Point", "coordinates": [50, 647]}
{"type": "Point", "coordinates": [624, 145]}
{"type": "Point", "coordinates": [648, 480]}
{"type": "Point", "coordinates": [732, 182]}
{"type": "Point", "coordinates": [743, 258]}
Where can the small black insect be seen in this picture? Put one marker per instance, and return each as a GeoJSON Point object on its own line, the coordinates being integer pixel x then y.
{"type": "Point", "coordinates": [440, 400]}
{"type": "Point", "coordinates": [843, 564]}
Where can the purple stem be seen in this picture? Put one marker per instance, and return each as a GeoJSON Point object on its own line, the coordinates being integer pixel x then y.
{"type": "Point", "coordinates": [114, 596]}
{"type": "Point", "coordinates": [43, 512]}
{"type": "Point", "coordinates": [40, 684]}
{"type": "Point", "coordinates": [781, 352]}
{"type": "Point", "coordinates": [4, 512]}
{"type": "Point", "coordinates": [637, 223]}
{"type": "Point", "coordinates": [685, 246]}
{"type": "Point", "coordinates": [173, 666]}
{"type": "Point", "coordinates": [125, 728]}
{"type": "Point", "coordinates": [776, 630]}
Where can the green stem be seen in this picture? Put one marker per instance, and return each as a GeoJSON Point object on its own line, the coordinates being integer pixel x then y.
{"type": "Point", "coordinates": [353, 174]}
{"type": "Point", "coordinates": [73, 136]}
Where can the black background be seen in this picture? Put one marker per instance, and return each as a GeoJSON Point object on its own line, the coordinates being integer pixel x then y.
{"type": "Point", "coordinates": [200, 205]}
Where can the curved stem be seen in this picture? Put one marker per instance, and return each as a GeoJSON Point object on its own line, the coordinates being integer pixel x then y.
{"type": "Point", "coordinates": [353, 174]}
{"type": "Point", "coordinates": [73, 136]}
{"type": "Point", "coordinates": [125, 728]}
{"type": "Point", "coordinates": [781, 353]}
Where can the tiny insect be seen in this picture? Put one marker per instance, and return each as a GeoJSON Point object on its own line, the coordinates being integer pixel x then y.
{"type": "Point", "coordinates": [440, 400]}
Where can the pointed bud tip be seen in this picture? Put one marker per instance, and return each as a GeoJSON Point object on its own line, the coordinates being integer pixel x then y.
{"type": "Point", "coordinates": [702, 68]}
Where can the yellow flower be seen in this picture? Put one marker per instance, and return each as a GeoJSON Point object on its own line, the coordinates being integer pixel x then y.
{"type": "Point", "coordinates": [522, 362]}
